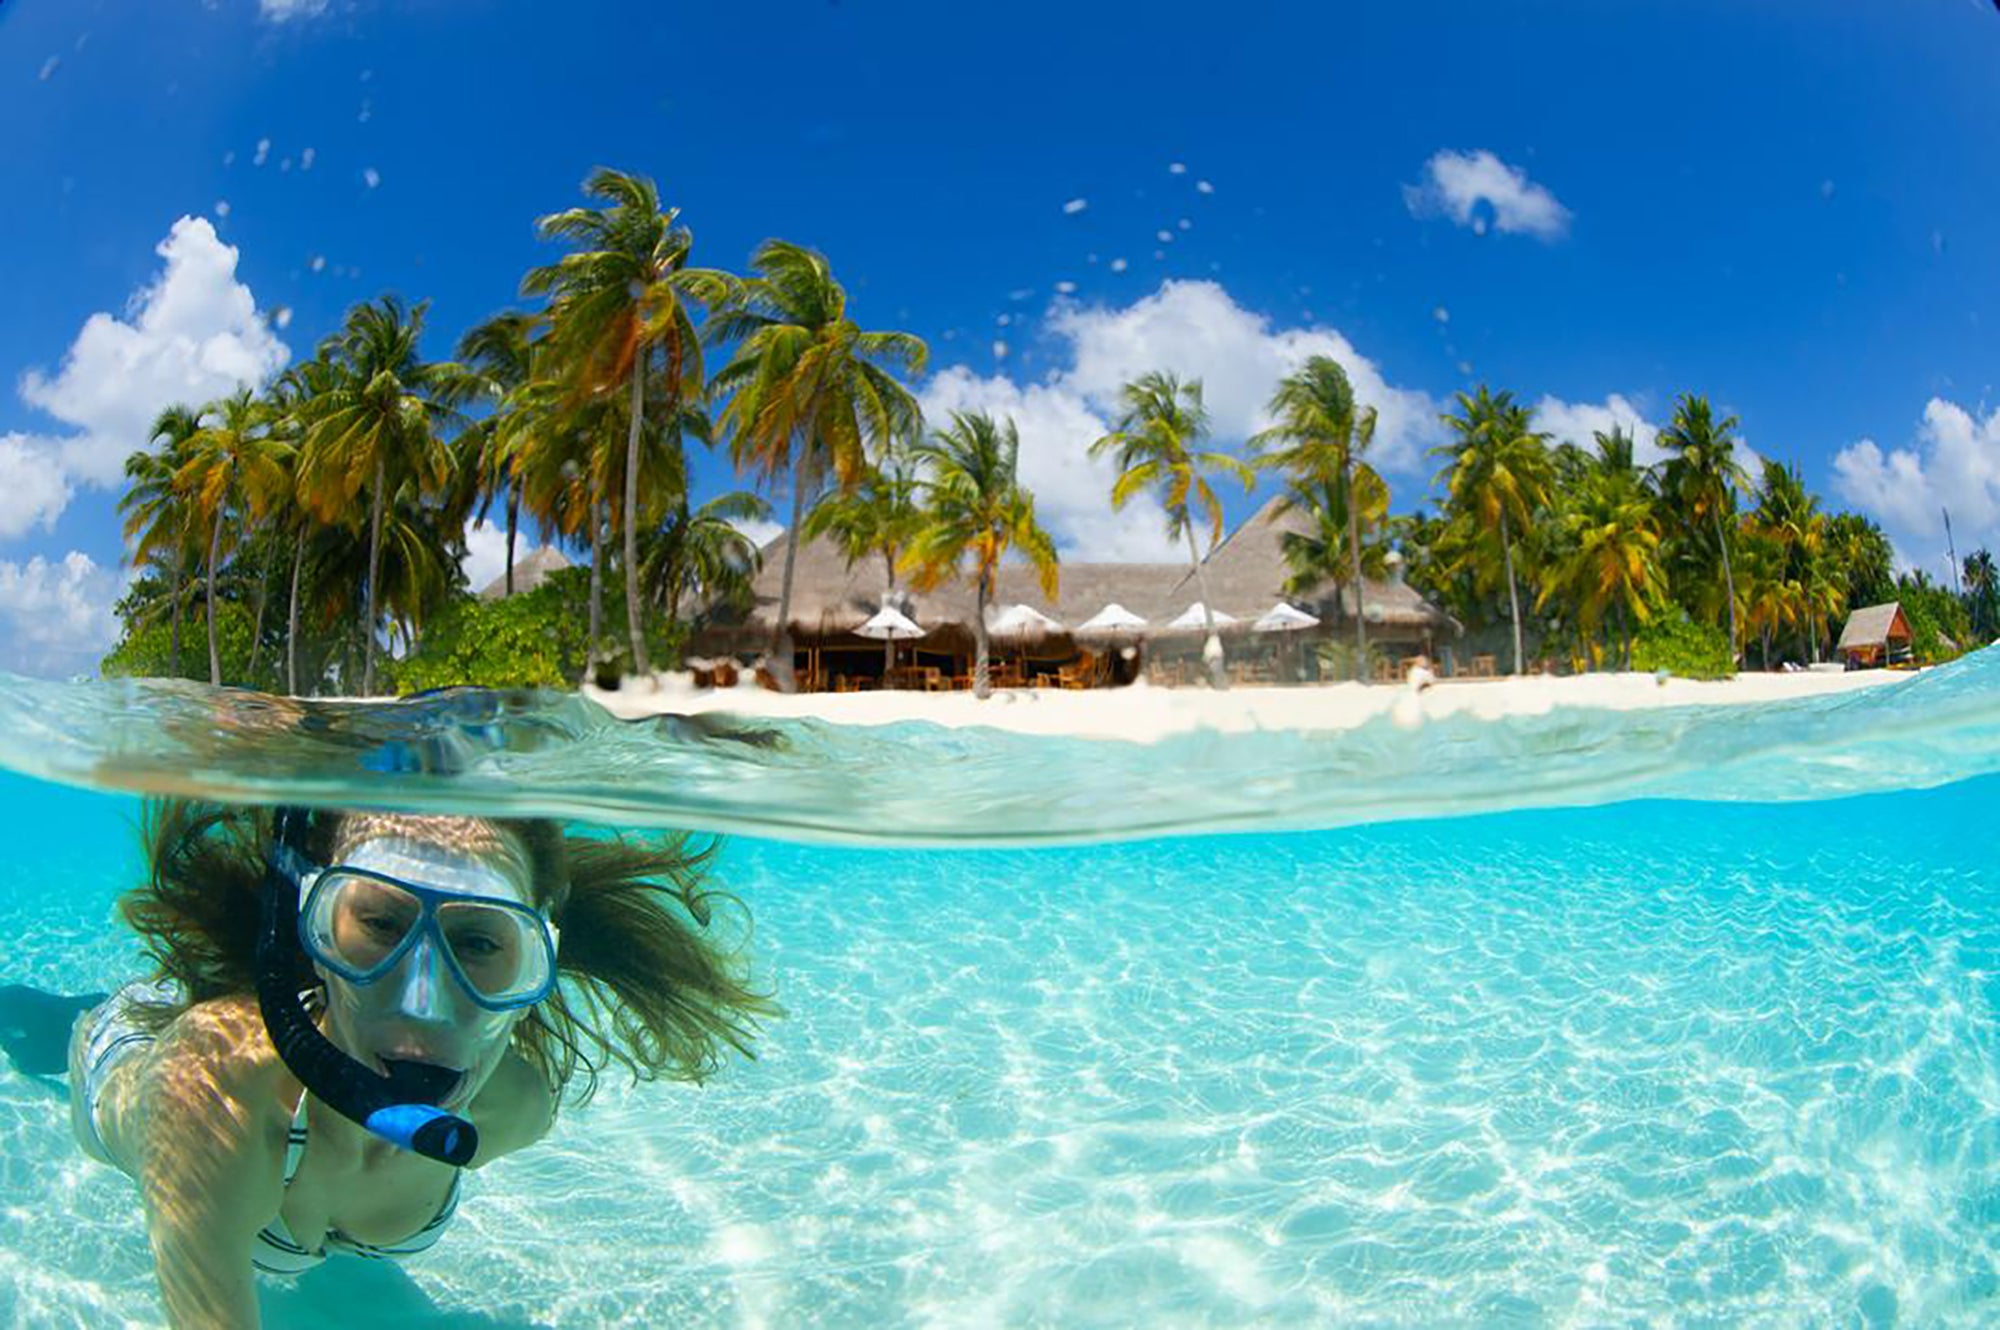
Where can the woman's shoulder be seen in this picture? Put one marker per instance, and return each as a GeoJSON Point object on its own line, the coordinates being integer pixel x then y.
{"type": "Point", "coordinates": [218, 1053]}
{"type": "Point", "coordinates": [514, 1109]}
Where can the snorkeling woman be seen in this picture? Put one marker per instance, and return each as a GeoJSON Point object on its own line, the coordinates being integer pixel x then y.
{"type": "Point", "coordinates": [350, 1008]}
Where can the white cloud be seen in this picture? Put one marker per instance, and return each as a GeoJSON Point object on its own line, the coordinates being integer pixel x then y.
{"type": "Point", "coordinates": [1580, 422]}
{"type": "Point", "coordinates": [486, 554]}
{"type": "Point", "coordinates": [1189, 328]}
{"type": "Point", "coordinates": [191, 335]}
{"type": "Point", "coordinates": [1075, 206]}
{"type": "Point", "coordinates": [57, 617]}
{"type": "Point", "coordinates": [760, 531]}
{"type": "Point", "coordinates": [1456, 183]}
{"type": "Point", "coordinates": [1072, 491]}
{"type": "Point", "coordinates": [32, 489]}
{"type": "Point", "coordinates": [1954, 464]}
{"type": "Point", "coordinates": [279, 11]}
{"type": "Point", "coordinates": [1194, 329]}
{"type": "Point", "coordinates": [371, 177]}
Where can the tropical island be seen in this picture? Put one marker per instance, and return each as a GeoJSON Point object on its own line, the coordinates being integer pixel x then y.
{"type": "Point", "coordinates": [308, 538]}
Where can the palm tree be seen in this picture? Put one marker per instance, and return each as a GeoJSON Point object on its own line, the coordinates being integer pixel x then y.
{"type": "Point", "coordinates": [810, 392]}
{"type": "Point", "coordinates": [974, 503]}
{"type": "Point", "coordinates": [1982, 593]}
{"type": "Point", "coordinates": [231, 462]}
{"type": "Point", "coordinates": [157, 515]}
{"type": "Point", "coordinates": [293, 399]}
{"type": "Point", "coordinates": [1498, 478]}
{"type": "Point", "coordinates": [1611, 543]}
{"type": "Point", "coordinates": [500, 352]}
{"type": "Point", "coordinates": [1155, 441]}
{"type": "Point", "coordinates": [701, 552]}
{"type": "Point", "coordinates": [878, 516]}
{"type": "Point", "coordinates": [1702, 476]}
{"type": "Point", "coordinates": [616, 303]}
{"type": "Point", "coordinates": [376, 426]}
{"type": "Point", "coordinates": [1320, 435]}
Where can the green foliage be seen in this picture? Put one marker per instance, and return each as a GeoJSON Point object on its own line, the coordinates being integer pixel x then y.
{"type": "Point", "coordinates": [518, 641]}
{"type": "Point", "coordinates": [1940, 629]}
{"type": "Point", "coordinates": [146, 649]}
{"type": "Point", "coordinates": [1682, 647]}
{"type": "Point", "coordinates": [1336, 660]}
{"type": "Point", "coordinates": [533, 639]}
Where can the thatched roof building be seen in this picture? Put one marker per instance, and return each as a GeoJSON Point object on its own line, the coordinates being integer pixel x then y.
{"type": "Point", "coordinates": [529, 570]}
{"type": "Point", "coordinates": [1246, 576]}
{"type": "Point", "coordinates": [1876, 635]}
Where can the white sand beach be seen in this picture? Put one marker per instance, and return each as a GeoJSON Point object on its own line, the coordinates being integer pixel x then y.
{"type": "Point", "coordinates": [1143, 713]}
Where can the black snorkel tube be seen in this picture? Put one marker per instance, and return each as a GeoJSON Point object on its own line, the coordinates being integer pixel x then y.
{"type": "Point", "coordinates": [401, 1107]}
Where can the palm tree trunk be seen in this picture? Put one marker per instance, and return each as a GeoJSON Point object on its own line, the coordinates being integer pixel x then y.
{"type": "Point", "coordinates": [596, 582]}
{"type": "Point", "coordinates": [513, 525]}
{"type": "Point", "coordinates": [1767, 646]}
{"type": "Point", "coordinates": [1728, 584]}
{"type": "Point", "coordinates": [982, 673]}
{"type": "Point", "coordinates": [888, 597]}
{"type": "Point", "coordinates": [1513, 592]}
{"type": "Point", "coordinates": [257, 628]}
{"type": "Point", "coordinates": [375, 507]}
{"type": "Point", "coordinates": [1354, 548]}
{"type": "Point", "coordinates": [292, 615]}
{"type": "Point", "coordinates": [640, 666]}
{"type": "Point", "coordinates": [174, 660]}
{"type": "Point", "coordinates": [1211, 649]}
{"type": "Point", "coordinates": [1625, 636]}
{"type": "Point", "coordinates": [781, 640]}
{"type": "Point", "coordinates": [214, 557]}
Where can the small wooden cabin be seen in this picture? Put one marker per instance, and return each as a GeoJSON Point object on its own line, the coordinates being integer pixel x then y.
{"type": "Point", "coordinates": [1875, 636]}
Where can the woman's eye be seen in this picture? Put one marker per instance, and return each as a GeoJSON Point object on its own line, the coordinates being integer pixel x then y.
{"type": "Point", "coordinates": [382, 925]}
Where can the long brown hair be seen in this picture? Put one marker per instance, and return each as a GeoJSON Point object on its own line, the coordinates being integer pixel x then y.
{"type": "Point", "coordinates": [645, 983]}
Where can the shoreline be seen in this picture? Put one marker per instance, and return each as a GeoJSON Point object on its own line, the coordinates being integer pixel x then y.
{"type": "Point", "coordinates": [1143, 713]}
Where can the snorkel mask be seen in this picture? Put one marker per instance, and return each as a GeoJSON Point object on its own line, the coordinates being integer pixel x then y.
{"type": "Point", "coordinates": [457, 956]}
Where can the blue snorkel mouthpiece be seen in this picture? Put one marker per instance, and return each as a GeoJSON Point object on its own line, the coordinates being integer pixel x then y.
{"type": "Point", "coordinates": [400, 1107]}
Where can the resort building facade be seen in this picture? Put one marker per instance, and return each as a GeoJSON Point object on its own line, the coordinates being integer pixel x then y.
{"type": "Point", "coordinates": [832, 601]}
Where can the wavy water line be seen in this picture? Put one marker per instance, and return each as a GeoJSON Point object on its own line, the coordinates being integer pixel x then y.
{"type": "Point", "coordinates": [558, 754]}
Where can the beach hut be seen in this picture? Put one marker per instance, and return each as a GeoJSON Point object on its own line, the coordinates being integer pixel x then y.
{"type": "Point", "coordinates": [1875, 635]}
{"type": "Point", "coordinates": [832, 596]}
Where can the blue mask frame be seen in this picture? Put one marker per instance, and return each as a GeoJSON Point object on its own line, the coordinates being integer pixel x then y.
{"type": "Point", "coordinates": [429, 898]}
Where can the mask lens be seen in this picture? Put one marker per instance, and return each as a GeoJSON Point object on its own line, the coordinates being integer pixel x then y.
{"type": "Point", "coordinates": [358, 923]}
{"type": "Point", "coordinates": [502, 953]}
{"type": "Point", "coordinates": [361, 926]}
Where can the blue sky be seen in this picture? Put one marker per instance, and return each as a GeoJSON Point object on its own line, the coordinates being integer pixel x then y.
{"type": "Point", "coordinates": [1787, 206]}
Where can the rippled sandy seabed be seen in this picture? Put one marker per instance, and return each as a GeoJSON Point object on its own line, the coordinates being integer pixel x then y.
{"type": "Point", "coordinates": [1657, 1062]}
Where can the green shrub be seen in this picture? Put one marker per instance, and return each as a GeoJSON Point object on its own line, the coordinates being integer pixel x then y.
{"type": "Point", "coordinates": [1940, 629]}
{"type": "Point", "coordinates": [531, 639]}
{"type": "Point", "coordinates": [1682, 647]}
{"type": "Point", "coordinates": [148, 651]}
{"type": "Point", "coordinates": [522, 641]}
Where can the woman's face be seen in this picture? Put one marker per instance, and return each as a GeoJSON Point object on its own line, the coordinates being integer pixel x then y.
{"type": "Point", "coordinates": [420, 1009]}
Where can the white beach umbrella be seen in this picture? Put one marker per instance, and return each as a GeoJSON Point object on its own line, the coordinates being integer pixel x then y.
{"type": "Point", "coordinates": [1022, 623]}
{"type": "Point", "coordinates": [890, 624]}
{"type": "Point", "coordinates": [1111, 621]}
{"type": "Point", "coordinates": [1283, 618]}
{"type": "Point", "coordinates": [1193, 618]}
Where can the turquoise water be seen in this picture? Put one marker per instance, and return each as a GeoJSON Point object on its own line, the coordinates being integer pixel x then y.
{"type": "Point", "coordinates": [1651, 1060]}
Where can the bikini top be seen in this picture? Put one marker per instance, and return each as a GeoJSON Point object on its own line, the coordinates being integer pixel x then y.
{"type": "Point", "coordinates": [277, 1252]}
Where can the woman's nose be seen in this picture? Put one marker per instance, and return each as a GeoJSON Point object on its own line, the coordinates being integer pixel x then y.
{"type": "Point", "coordinates": [420, 989]}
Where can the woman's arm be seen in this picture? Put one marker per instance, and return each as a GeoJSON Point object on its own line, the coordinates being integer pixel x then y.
{"type": "Point", "coordinates": [208, 1166]}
